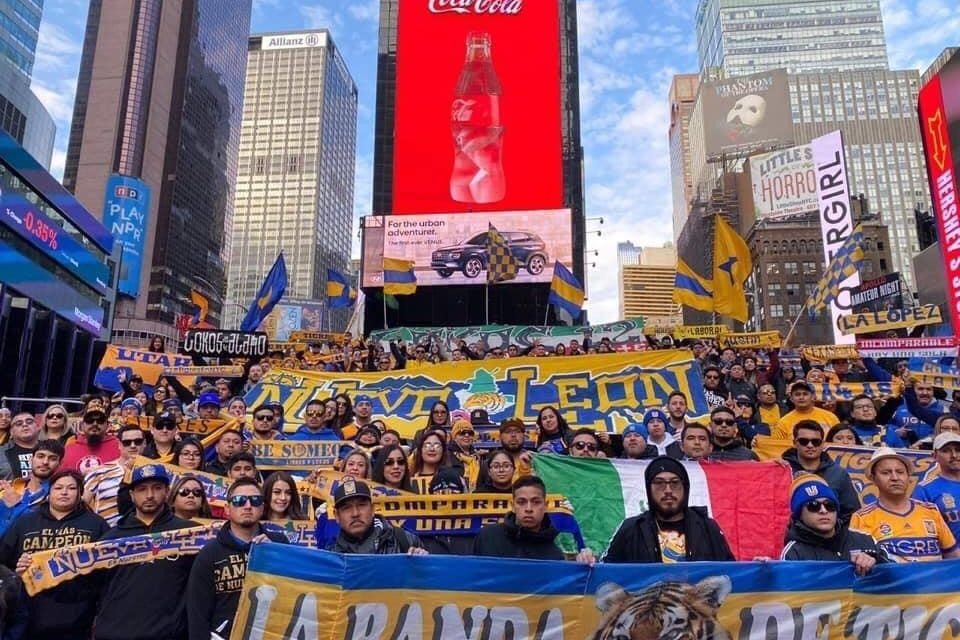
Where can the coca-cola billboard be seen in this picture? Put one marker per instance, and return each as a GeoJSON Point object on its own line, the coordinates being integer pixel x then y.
{"type": "Point", "coordinates": [478, 122]}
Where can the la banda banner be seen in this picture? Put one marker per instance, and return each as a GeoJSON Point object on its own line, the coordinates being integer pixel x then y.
{"type": "Point", "coordinates": [625, 335]}
{"type": "Point", "coordinates": [603, 392]}
{"type": "Point", "coordinates": [308, 594]}
{"type": "Point", "coordinates": [874, 321]}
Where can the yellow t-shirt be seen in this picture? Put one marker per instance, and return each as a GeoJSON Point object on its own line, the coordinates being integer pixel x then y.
{"type": "Point", "coordinates": [783, 430]}
{"type": "Point", "coordinates": [770, 416]}
{"type": "Point", "coordinates": [919, 535]}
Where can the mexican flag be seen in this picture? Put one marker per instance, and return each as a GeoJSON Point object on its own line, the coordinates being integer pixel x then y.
{"type": "Point", "coordinates": [749, 500]}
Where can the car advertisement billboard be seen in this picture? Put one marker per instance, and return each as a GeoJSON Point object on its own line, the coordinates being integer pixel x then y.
{"type": "Point", "coordinates": [746, 113]}
{"type": "Point", "coordinates": [940, 130]}
{"type": "Point", "coordinates": [450, 248]}
{"type": "Point", "coordinates": [784, 182]}
{"type": "Point", "coordinates": [478, 106]}
{"type": "Point", "coordinates": [126, 205]}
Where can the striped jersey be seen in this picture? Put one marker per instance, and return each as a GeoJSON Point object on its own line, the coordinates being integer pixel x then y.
{"type": "Point", "coordinates": [100, 488]}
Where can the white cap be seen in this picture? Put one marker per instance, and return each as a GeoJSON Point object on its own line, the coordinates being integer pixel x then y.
{"type": "Point", "coordinates": [944, 439]}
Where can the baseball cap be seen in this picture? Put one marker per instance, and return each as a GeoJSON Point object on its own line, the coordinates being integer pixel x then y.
{"type": "Point", "coordinates": [150, 472]}
{"type": "Point", "coordinates": [479, 418]}
{"type": "Point", "coordinates": [136, 378]}
{"type": "Point", "coordinates": [512, 423]}
{"type": "Point", "coordinates": [350, 488]}
{"type": "Point", "coordinates": [362, 398]}
{"type": "Point", "coordinates": [806, 488]}
{"type": "Point", "coordinates": [744, 400]}
{"type": "Point", "coordinates": [208, 398]}
{"type": "Point", "coordinates": [801, 384]}
{"type": "Point", "coordinates": [944, 439]}
{"type": "Point", "coordinates": [884, 453]}
{"type": "Point", "coordinates": [165, 418]}
{"type": "Point", "coordinates": [94, 414]}
{"type": "Point", "coordinates": [131, 402]}
{"type": "Point", "coordinates": [448, 479]}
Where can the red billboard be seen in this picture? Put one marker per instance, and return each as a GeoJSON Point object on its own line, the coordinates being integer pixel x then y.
{"type": "Point", "coordinates": [478, 106]}
{"type": "Point", "coordinates": [939, 113]}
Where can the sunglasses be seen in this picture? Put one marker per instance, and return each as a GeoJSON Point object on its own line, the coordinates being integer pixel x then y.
{"type": "Point", "coordinates": [314, 414]}
{"type": "Point", "coordinates": [196, 493]}
{"type": "Point", "coordinates": [165, 426]}
{"type": "Point", "coordinates": [136, 442]}
{"type": "Point", "coordinates": [239, 501]}
{"type": "Point", "coordinates": [810, 442]}
{"type": "Point", "coordinates": [59, 416]}
{"type": "Point", "coordinates": [467, 433]}
{"type": "Point", "coordinates": [728, 422]}
{"type": "Point", "coordinates": [96, 421]}
{"type": "Point", "coordinates": [264, 418]}
{"type": "Point", "coordinates": [394, 462]}
{"type": "Point", "coordinates": [818, 505]}
{"type": "Point", "coordinates": [580, 446]}
{"type": "Point", "coordinates": [712, 377]}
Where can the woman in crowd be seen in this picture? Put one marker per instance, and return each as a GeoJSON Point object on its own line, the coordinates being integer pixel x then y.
{"type": "Point", "coordinates": [188, 500]}
{"type": "Point", "coordinates": [560, 350]}
{"type": "Point", "coordinates": [497, 473]}
{"type": "Point", "coordinates": [843, 434]}
{"type": "Point", "coordinates": [188, 454]}
{"type": "Point", "coordinates": [343, 421]}
{"type": "Point", "coordinates": [429, 457]}
{"type": "Point", "coordinates": [281, 498]}
{"type": "Point", "coordinates": [55, 425]}
{"type": "Point", "coordinates": [946, 422]}
{"type": "Point", "coordinates": [391, 468]}
{"type": "Point", "coordinates": [439, 417]}
{"type": "Point", "coordinates": [357, 464]}
{"type": "Point", "coordinates": [158, 345]}
{"type": "Point", "coordinates": [553, 431]}
{"type": "Point", "coordinates": [6, 417]}
{"type": "Point", "coordinates": [155, 406]}
{"type": "Point", "coordinates": [237, 408]}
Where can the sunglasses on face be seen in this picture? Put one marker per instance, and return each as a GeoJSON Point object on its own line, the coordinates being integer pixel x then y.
{"type": "Point", "coordinates": [264, 418]}
{"type": "Point", "coordinates": [196, 493]}
{"type": "Point", "coordinates": [136, 442]}
{"type": "Point", "coordinates": [239, 501]}
{"type": "Point", "coordinates": [817, 505]}
{"type": "Point", "coordinates": [580, 446]}
{"type": "Point", "coordinates": [468, 434]}
{"type": "Point", "coordinates": [166, 426]}
{"type": "Point", "coordinates": [721, 422]}
{"type": "Point", "coordinates": [809, 442]}
{"type": "Point", "coordinates": [58, 416]}
{"type": "Point", "coordinates": [314, 414]}
{"type": "Point", "coordinates": [394, 462]}
{"type": "Point", "coordinates": [96, 421]}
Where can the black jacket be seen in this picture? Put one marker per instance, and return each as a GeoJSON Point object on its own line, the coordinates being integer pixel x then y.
{"type": "Point", "coordinates": [216, 580]}
{"type": "Point", "coordinates": [381, 539]}
{"type": "Point", "coordinates": [447, 545]}
{"type": "Point", "coordinates": [65, 611]}
{"type": "Point", "coordinates": [649, 453]}
{"type": "Point", "coordinates": [804, 544]}
{"type": "Point", "coordinates": [835, 476]}
{"type": "Point", "coordinates": [636, 541]}
{"type": "Point", "coordinates": [216, 467]}
{"type": "Point", "coordinates": [484, 486]}
{"type": "Point", "coordinates": [145, 601]}
{"type": "Point", "coordinates": [508, 540]}
{"type": "Point", "coordinates": [733, 451]}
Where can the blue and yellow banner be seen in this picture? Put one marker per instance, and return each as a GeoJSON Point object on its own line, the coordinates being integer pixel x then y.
{"type": "Point", "coordinates": [604, 392]}
{"type": "Point", "coordinates": [214, 486]}
{"type": "Point", "coordinates": [847, 391]}
{"type": "Point", "coordinates": [148, 365]}
{"type": "Point", "coordinates": [296, 593]}
{"type": "Point", "coordinates": [295, 455]}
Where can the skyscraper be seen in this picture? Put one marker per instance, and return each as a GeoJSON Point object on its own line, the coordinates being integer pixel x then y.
{"type": "Point", "coordinates": [22, 115]}
{"type": "Point", "coordinates": [160, 98]}
{"type": "Point", "coordinates": [628, 253]}
{"type": "Point", "coordinates": [747, 36]}
{"type": "Point", "coordinates": [646, 286]}
{"type": "Point", "coordinates": [296, 168]}
{"type": "Point", "coordinates": [683, 95]}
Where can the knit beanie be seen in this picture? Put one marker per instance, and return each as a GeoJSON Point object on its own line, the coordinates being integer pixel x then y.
{"type": "Point", "coordinates": [807, 488]}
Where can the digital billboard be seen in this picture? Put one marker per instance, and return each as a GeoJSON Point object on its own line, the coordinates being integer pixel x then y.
{"type": "Point", "coordinates": [746, 113]}
{"type": "Point", "coordinates": [450, 248]}
{"type": "Point", "coordinates": [879, 294]}
{"type": "Point", "coordinates": [478, 106]}
{"type": "Point", "coordinates": [940, 129]}
{"type": "Point", "coordinates": [126, 205]}
{"type": "Point", "coordinates": [784, 182]}
{"type": "Point", "coordinates": [293, 315]}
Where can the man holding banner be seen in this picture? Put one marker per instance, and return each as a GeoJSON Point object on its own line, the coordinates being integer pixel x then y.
{"type": "Point", "coordinates": [526, 532]}
{"type": "Point", "coordinates": [361, 531]}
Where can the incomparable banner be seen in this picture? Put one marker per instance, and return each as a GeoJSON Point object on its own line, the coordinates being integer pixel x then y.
{"type": "Point", "coordinates": [126, 206]}
{"type": "Point", "coordinates": [477, 123]}
{"type": "Point", "coordinates": [784, 182]}
{"type": "Point", "coordinates": [625, 335]}
{"type": "Point", "coordinates": [292, 592]}
{"type": "Point", "coordinates": [451, 249]}
{"type": "Point", "coordinates": [879, 294]}
{"type": "Point", "coordinates": [908, 348]}
{"type": "Point", "coordinates": [604, 392]}
{"type": "Point", "coordinates": [218, 343]}
{"type": "Point", "coordinates": [148, 365]}
{"type": "Point", "coordinates": [746, 113]}
{"type": "Point", "coordinates": [761, 340]}
{"type": "Point", "coordinates": [871, 322]}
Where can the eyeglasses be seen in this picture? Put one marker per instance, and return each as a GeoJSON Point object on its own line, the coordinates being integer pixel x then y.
{"type": "Point", "coordinates": [239, 501]}
{"type": "Point", "coordinates": [165, 426]}
{"type": "Point", "coordinates": [581, 445]}
{"type": "Point", "coordinates": [503, 466]}
{"type": "Point", "coordinates": [810, 442]}
{"type": "Point", "coordinates": [661, 484]}
{"type": "Point", "coordinates": [724, 422]}
{"type": "Point", "coordinates": [196, 493]}
{"type": "Point", "coordinates": [818, 505]}
{"type": "Point", "coordinates": [264, 418]}
{"type": "Point", "coordinates": [58, 416]}
{"type": "Point", "coordinates": [136, 442]}
{"type": "Point", "coordinates": [394, 462]}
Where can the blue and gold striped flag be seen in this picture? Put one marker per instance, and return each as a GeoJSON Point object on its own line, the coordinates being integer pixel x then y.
{"type": "Point", "coordinates": [692, 290]}
{"type": "Point", "coordinates": [340, 294]}
{"type": "Point", "coordinates": [566, 292]}
{"type": "Point", "coordinates": [398, 277]}
{"type": "Point", "coordinates": [846, 262]}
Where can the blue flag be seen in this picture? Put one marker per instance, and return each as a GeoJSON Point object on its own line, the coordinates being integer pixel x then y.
{"type": "Point", "coordinates": [268, 296]}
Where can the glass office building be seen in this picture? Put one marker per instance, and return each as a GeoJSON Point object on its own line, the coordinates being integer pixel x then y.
{"type": "Point", "coordinates": [296, 169]}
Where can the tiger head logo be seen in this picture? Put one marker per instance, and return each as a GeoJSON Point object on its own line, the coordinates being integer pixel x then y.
{"type": "Point", "coordinates": [482, 392]}
{"type": "Point", "coordinates": [663, 611]}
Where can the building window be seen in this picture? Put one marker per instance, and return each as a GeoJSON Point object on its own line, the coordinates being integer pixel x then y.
{"type": "Point", "coordinates": [776, 311]}
{"type": "Point", "coordinates": [773, 290]}
{"type": "Point", "coordinates": [791, 268]}
{"type": "Point", "coordinates": [809, 268]}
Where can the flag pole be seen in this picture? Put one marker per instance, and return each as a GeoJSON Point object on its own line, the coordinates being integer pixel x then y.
{"type": "Point", "coordinates": [546, 314]}
{"type": "Point", "coordinates": [786, 341]}
{"type": "Point", "coordinates": [384, 296]}
{"type": "Point", "coordinates": [486, 304]}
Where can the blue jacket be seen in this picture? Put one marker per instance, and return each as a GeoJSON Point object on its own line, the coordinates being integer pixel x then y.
{"type": "Point", "coordinates": [9, 514]}
{"type": "Point", "coordinates": [305, 433]}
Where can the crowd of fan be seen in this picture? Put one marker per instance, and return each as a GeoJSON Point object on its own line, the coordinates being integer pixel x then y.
{"type": "Point", "coordinates": [64, 486]}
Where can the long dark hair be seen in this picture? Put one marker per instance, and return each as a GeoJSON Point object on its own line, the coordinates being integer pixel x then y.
{"type": "Point", "coordinates": [430, 423]}
{"type": "Point", "coordinates": [340, 422]}
{"type": "Point", "coordinates": [381, 461]}
{"type": "Point", "coordinates": [563, 429]}
{"type": "Point", "coordinates": [445, 461]}
{"type": "Point", "coordinates": [205, 511]}
{"type": "Point", "coordinates": [295, 510]}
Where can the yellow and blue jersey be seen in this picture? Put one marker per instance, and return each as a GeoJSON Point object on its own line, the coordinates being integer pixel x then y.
{"type": "Point", "coordinates": [945, 494]}
{"type": "Point", "coordinates": [919, 535]}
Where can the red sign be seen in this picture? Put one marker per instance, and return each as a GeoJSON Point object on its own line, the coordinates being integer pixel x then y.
{"type": "Point", "coordinates": [943, 186]}
{"type": "Point", "coordinates": [478, 106]}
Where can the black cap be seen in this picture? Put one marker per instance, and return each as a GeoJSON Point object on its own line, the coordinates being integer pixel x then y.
{"type": "Point", "coordinates": [480, 418]}
{"type": "Point", "coordinates": [448, 478]}
{"type": "Point", "coordinates": [165, 418]}
{"type": "Point", "coordinates": [350, 488]}
{"type": "Point", "coordinates": [802, 384]}
{"type": "Point", "coordinates": [94, 414]}
{"type": "Point", "coordinates": [136, 378]}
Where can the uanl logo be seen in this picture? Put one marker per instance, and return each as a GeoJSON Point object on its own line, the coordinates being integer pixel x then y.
{"type": "Point", "coordinates": [463, 7]}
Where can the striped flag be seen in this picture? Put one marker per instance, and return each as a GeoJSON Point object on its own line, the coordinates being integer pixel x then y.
{"type": "Point", "coordinates": [692, 290]}
{"type": "Point", "coordinates": [846, 262]}
{"type": "Point", "coordinates": [566, 292]}
{"type": "Point", "coordinates": [340, 294]}
{"type": "Point", "coordinates": [749, 500]}
{"type": "Point", "coordinates": [398, 277]}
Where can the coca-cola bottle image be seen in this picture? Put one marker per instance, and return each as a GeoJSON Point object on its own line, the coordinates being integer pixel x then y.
{"type": "Point", "coordinates": [477, 133]}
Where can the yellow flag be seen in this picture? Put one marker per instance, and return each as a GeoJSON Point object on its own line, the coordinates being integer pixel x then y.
{"type": "Point", "coordinates": [731, 268]}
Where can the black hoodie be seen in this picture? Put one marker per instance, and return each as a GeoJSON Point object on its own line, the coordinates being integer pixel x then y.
{"type": "Point", "coordinates": [65, 611]}
{"type": "Point", "coordinates": [804, 544]}
{"type": "Point", "coordinates": [510, 540]}
{"type": "Point", "coordinates": [145, 601]}
{"type": "Point", "coordinates": [638, 541]}
{"type": "Point", "coordinates": [216, 580]}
